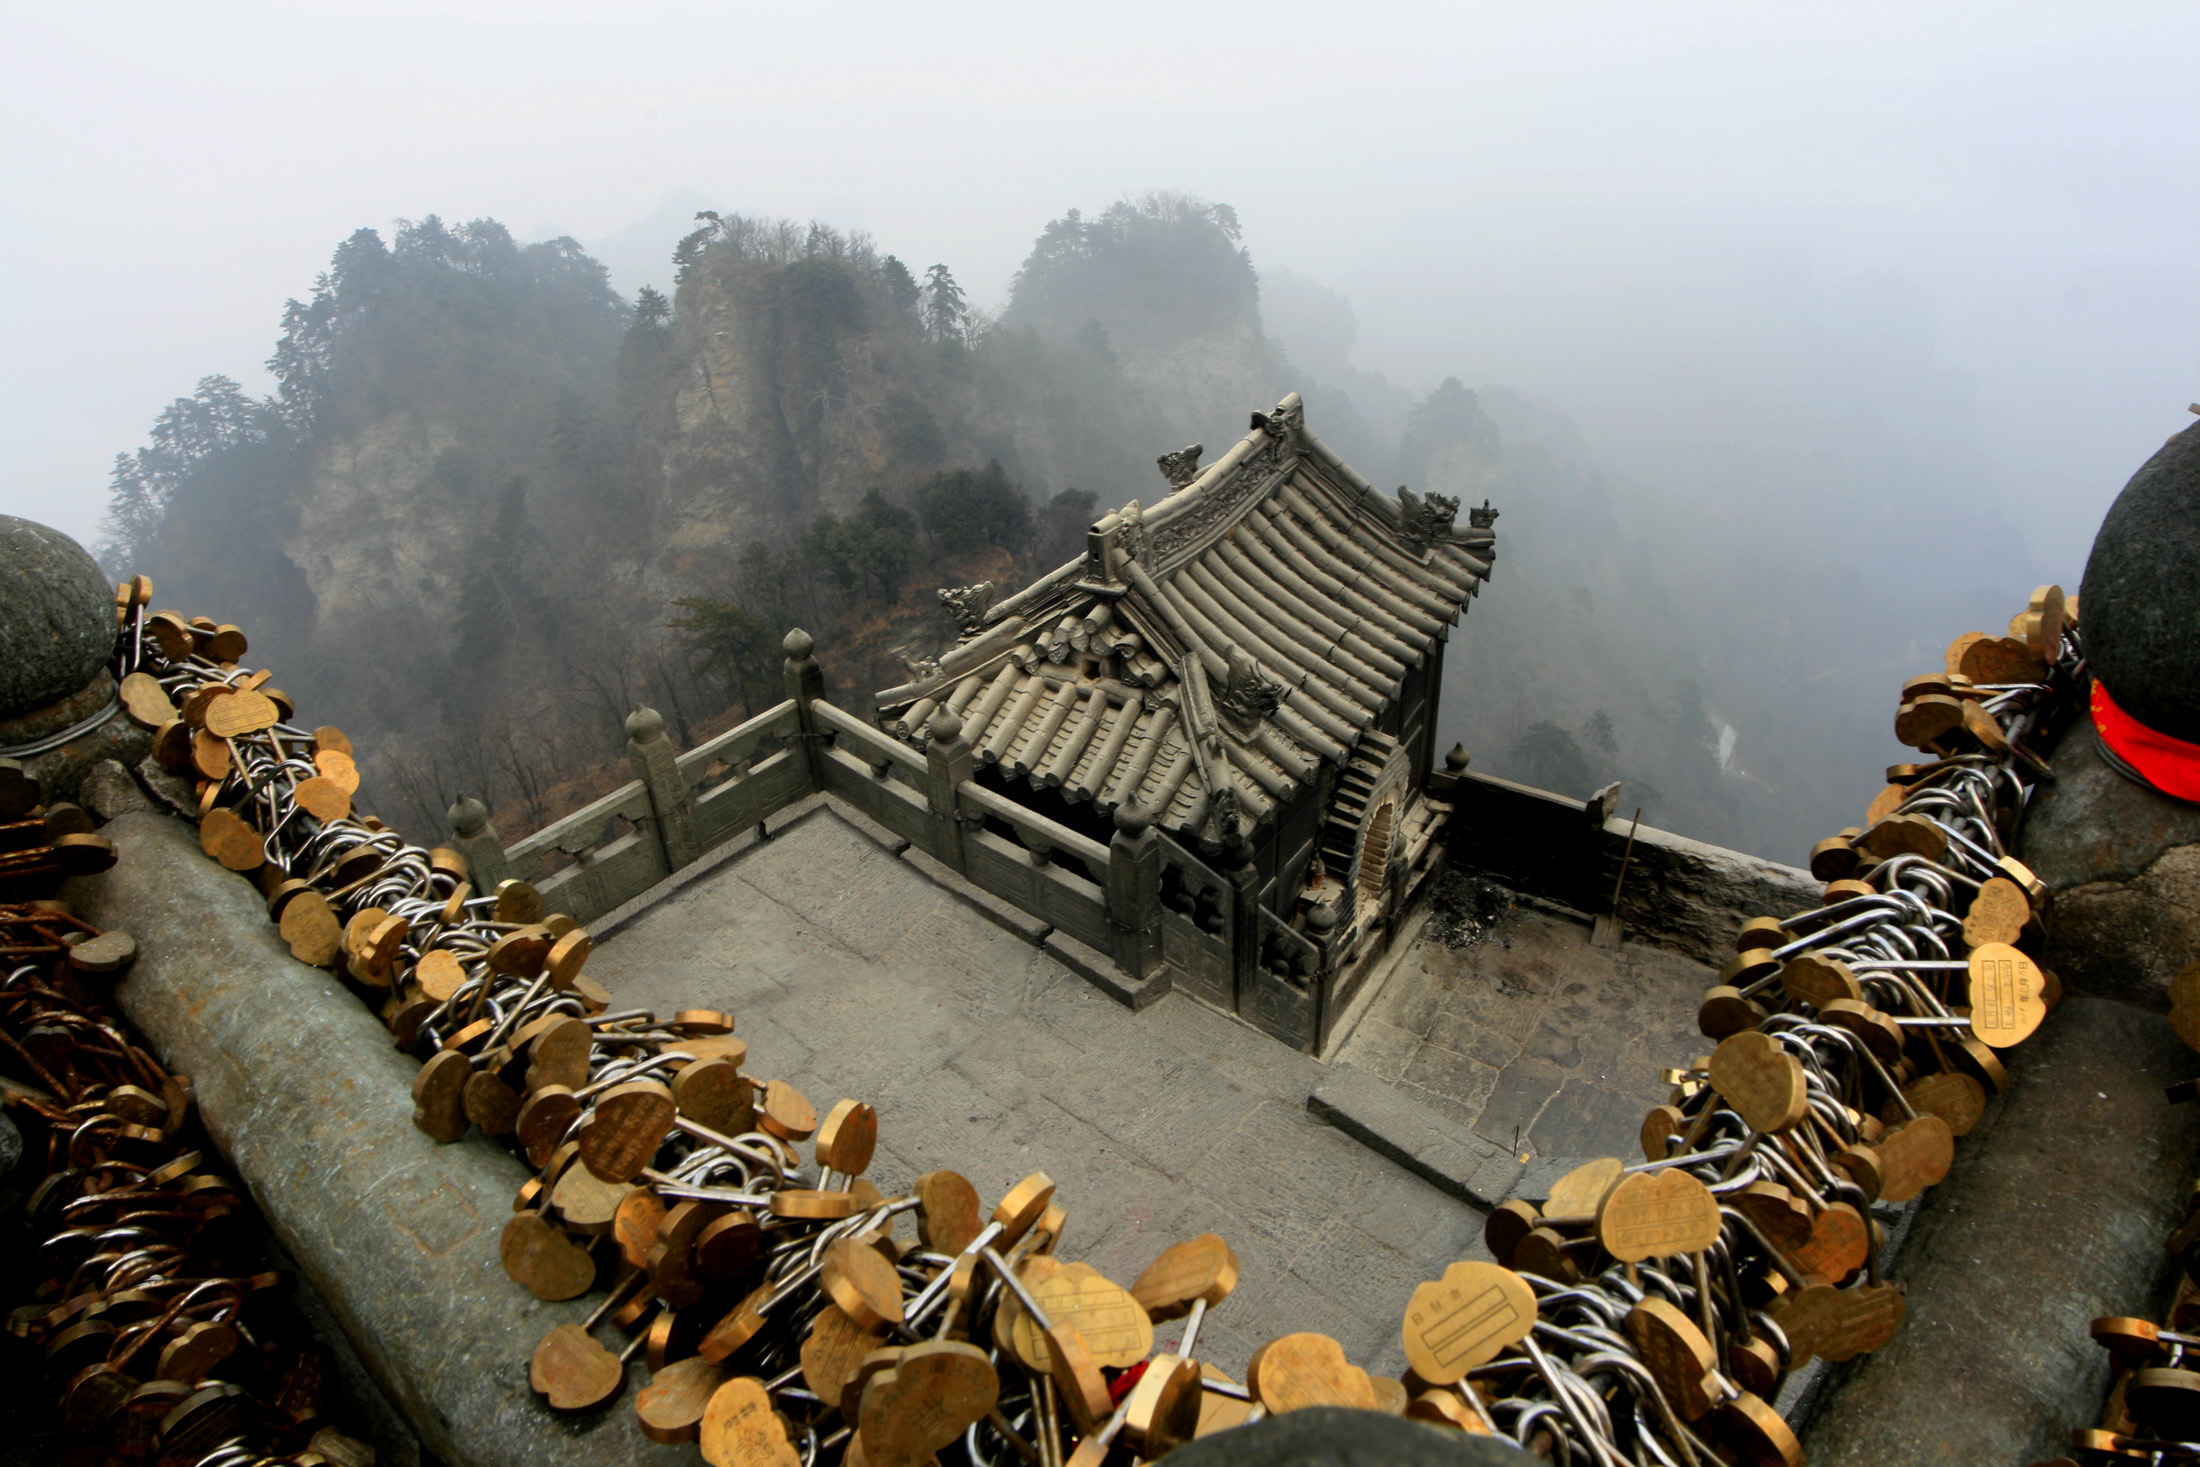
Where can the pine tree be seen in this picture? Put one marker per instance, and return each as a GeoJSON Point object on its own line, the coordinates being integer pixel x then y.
{"type": "Point", "coordinates": [946, 317]}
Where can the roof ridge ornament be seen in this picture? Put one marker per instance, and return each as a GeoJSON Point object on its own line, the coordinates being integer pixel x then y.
{"type": "Point", "coordinates": [1248, 694]}
{"type": "Point", "coordinates": [1282, 425]}
{"type": "Point", "coordinates": [1182, 466]}
{"type": "Point", "coordinates": [1483, 518]}
{"type": "Point", "coordinates": [1428, 519]}
{"type": "Point", "coordinates": [966, 605]}
{"type": "Point", "coordinates": [1131, 539]}
{"type": "Point", "coordinates": [1224, 825]}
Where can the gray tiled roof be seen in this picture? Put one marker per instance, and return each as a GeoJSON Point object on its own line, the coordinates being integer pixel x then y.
{"type": "Point", "coordinates": [1214, 650]}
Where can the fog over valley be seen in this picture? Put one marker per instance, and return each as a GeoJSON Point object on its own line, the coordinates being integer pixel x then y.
{"type": "Point", "coordinates": [1789, 343]}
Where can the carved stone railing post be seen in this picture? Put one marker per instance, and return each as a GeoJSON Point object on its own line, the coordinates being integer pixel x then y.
{"type": "Point", "coordinates": [655, 765]}
{"type": "Point", "coordinates": [478, 841]}
{"type": "Point", "coordinates": [949, 759]}
{"type": "Point", "coordinates": [1326, 930]}
{"type": "Point", "coordinates": [1243, 874]}
{"type": "Point", "coordinates": [1443, 783]}
{"type": "Point", "coordinates": [805, 683]}
{"type": "Point", "coordinates": [1134, 892]}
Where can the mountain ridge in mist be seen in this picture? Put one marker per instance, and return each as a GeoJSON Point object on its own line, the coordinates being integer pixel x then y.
{"type": "Point", "coordinates": [549, 504]}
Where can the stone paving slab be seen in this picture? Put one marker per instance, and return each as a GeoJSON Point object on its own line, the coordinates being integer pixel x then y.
{"type": "Point", "coordinates": [1531, 1038]}
{"type": "Point", "coordinates": [1384, 1118]}
{"type": "Point", "coordinates": [852, 972]}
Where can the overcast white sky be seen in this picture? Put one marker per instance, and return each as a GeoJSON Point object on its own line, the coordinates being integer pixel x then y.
{"type": "Point", "coordinates": [1638, 210]}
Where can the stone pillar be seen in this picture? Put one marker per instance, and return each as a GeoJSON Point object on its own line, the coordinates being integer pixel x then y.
{"type": "Point", "coordinates": [655, 765]}
{"type": "Point", "coordinates": [1134, 892]}
{"type": "Point", "coordinates": [949, 759]}
{"type": "Point", "coordinates": [805, 684]}
{"type": "Point", "coordinates": [477, 840]}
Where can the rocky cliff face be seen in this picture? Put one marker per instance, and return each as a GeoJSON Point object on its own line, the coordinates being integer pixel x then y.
{"type": "Point", "coordinates": [375, 537]}
{"type": "Point", "coordinates": [489, 485]}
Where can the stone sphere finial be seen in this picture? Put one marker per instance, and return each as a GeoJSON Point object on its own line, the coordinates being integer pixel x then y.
{"type": "Point", "coordinates": [469, 817]}
{"type": "Point", "coordinates": [57, 617]}
{"type": "Point", "coordinates": [1456, 760]}
{"type": "Point", "coordinates": [2141, 597]}
{"type": "Point", "coordinates": [645, 725]}
{"type": "Point", "coordinates": [945, 726]}
{"type": "Point", "coordinates": [1131, 818]}
{"type": "Point", "coordinates": [799, 644]}
{"type": "Point", "coordinates": [1321, 918]}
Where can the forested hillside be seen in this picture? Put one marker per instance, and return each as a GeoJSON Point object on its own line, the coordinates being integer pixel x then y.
{"type": "Point", "coordinates": [491, 506]}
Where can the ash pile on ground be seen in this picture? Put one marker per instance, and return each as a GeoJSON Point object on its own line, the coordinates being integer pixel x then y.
{"type": "Point", "coordinates": [1466, 910]}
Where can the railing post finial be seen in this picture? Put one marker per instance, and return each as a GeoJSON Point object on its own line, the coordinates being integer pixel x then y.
{"type": "Point", "coordinates": [477, 840]}
{"type": "Point", "coordinates": [657, 766]}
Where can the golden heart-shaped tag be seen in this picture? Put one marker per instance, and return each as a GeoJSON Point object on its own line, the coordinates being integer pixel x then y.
{"type": "Point", "coordinates": [740, 1428]}
{"type": "Point", "coordinates": [2008, 995]}
{"type": "Point", "coordinates": [1761, 1080]}
{"type": "Point", "coordinates": [1467, 1318]}
{"type": "Point", "coordinates": [1656, 1215]}
{"type": "Point", "coordinates": [925, 1401]}
{"type": "Point", "coordinates": [1574, 1197]}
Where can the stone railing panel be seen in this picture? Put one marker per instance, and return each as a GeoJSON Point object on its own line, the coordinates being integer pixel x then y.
{"type": "Point", "coordinates": [606, 878]}
{"type": "Point", "coordinates": [737, 746]}
{"type": "Point", "coordinates": [725, 810]}
{"type": "Point", "coordinates": [886, 800]}
{"type": "Point", "coordinates": [581, 833]}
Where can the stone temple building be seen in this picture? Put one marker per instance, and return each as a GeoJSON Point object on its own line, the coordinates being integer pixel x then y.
{"type": "Point", "coordinates": [1252, 665]}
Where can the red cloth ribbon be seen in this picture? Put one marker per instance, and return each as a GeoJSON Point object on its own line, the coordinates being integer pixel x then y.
{"type": "Point", "coordinates": [2170, 765]}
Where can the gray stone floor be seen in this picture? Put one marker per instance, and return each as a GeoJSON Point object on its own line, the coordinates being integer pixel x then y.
{"type": "Point", "coordinates": [851, 972]}
{"type": "Point", "coordinates": [1533, 1038]}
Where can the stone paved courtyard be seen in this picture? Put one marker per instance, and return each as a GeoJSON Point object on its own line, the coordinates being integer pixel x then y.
{"type": "Point", "coordinates": [850, 972]}
{"type": "Point", "coordinates": [853, 972]}
{"type": "Point", "coordinates": [1533, 1038]}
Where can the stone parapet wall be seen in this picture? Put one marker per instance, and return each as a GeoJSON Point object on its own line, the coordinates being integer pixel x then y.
{"type": "Point", "coordinates": [1679, 893]}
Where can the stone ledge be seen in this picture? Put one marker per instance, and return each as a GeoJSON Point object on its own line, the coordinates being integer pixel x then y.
{"type": "Point", "coordinates": [1000, 913]}
{"type": "Point", "coordinates": [1098, 969]}
{"type": "Point", "coordinates": [1542, 1174]}
{"type": "Point", "coordinates": [1388, 1123]}
{"type": "Point", "coordinates": [615, 920]}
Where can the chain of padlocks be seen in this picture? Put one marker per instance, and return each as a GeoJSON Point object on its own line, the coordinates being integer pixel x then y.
{"type": "Point", "coordinates": [1643, 1313]}
{"type": "Point", "coordinates": [2153, 1407]}
{"type": "Point", "coordinates": [161, 1330]}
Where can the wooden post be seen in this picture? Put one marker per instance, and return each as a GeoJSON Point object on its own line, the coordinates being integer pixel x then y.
{"type": "Point", "coordinates": [651, 754]}
{"type": "Point", "coordinates": [473, 835]}
{"type": "Point", "coordinates": [805, 683]}
{"type": "Point", "coordinates": [1134, 892]}
{"type": "Point", "coordinates": [949, 759]}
